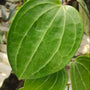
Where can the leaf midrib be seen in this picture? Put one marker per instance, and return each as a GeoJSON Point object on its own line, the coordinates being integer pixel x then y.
{"type": "Point", "coordinates": [56, 49]}
{"type": "Point", "coordinates": [28, 30]}
{"type": "Point", "coordinates": [26, 34]}
{"type": "Point", "coordinates": [37, 46]}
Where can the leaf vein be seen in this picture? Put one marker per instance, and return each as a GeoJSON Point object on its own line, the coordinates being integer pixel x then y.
{"type": "Point", "coordinates": [43, 82]}
{"type": "Point", "coordinates": [54, 82]}
{"type": "Point", "coordinates": [36, 48]}
{"type": "Point", "coordinates": [81, 77]}
{"type": "Point", "coordinates": [56, 49]}
{"type": "Point", "coordinates": [25, 33]}
{"type": "Point", "coordinates": [83, 67]}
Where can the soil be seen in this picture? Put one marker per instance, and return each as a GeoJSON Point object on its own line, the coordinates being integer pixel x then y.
{"type": "Point", "coordinates": [12, 83]}
{"type": "Point", "coordinates": [2, 2]}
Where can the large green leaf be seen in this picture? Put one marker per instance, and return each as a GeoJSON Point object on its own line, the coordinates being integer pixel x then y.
{"type": "Point", "coordinates": [43, 38]}
{"type": "Point", "coordinates": [80, 73]}
{"type": "Point", "coordinates": [55, 81]}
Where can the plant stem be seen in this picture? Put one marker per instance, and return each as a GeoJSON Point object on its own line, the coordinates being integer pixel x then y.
{"type": "Point", "coordinates": [68, 85]}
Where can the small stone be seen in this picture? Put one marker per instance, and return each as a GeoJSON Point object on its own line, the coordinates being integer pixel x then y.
{"type": "Point", "coordinates": [85, 46]}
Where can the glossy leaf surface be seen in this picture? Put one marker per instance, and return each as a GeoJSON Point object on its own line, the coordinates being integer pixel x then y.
{"type": "Point", "coordinates": [43, 38]}
{"type": "Point", "coordinates": [80, 73]}
{"type": "Point", "coordinates": [55, 81]}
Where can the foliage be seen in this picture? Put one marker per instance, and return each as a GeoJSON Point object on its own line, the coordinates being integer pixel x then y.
{"type": "Point", "coordinates": [43, 38]}
{"type": "Point", "coordinates": [1, 36]}
{"type": "Point", "coordinates": [40, 42]}
{"type": "Point", "coordinates": [86, 21]}
{"type": "Point", "coordinates": [51, 82]}
{"type": "Point", "coordinates": [84, 6]}
{"type": "Point", "coordinates": [80, 73]}
{"type": "Point", "coordinates": [85, 15]}
{"type": "Point", "coordinates": [24, 1]}
{"type": "Point", "coordinates": [11, 14]}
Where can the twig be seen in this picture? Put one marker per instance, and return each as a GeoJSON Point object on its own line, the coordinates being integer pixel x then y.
{"type": "Point", "coordinates": [68, 85]}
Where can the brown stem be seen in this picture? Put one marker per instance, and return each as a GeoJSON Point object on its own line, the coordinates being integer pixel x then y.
{"type": "Point", "coordinates": [68, 85]}
{"type": "Point", "coordinates": [65, 0]}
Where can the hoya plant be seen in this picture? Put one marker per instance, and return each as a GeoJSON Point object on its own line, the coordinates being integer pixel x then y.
{"type": "Point", "coordinates": [43, 38]}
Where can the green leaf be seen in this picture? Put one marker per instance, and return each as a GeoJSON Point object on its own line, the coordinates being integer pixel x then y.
{"type": "Point", "coordinates": [43, 38]}
{"type": "Point", "coordinates": [3, 13]}
{"type": "Point", "coordinates": [11, 14]}
{"type": "Point", "coordinates": [1, 36]}
{"type": "Point", "coordinates": [80, 73]}
{"type": "Point", "coordinates": [86, 20]}
{"type": "Point", "coordinates": [55, 81]}
{"type": "Point", "coordinates": [84, 6]}
{"type": "Point", "coordinates": [24, 1]}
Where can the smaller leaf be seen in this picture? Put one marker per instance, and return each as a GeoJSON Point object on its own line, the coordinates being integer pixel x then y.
{"type": "Point", "coordinates": [12, 13]}
{"type": "Point", "coordinates": [24, 1]}
{"type": "Point", "coordinates": [56, 81]}
{"type": "Point", "coordinates": [80, 73]}
{"type": "Point", "coordinates": [0, 39]}
{"type": "Point", "coordinates": [1, 36]}
{"type": "Point", "coordinates": [86, 20]}
{"type": "Point", "coordinates": [3, 13]}
{"type": "Point", "coordinates": [84, 6]}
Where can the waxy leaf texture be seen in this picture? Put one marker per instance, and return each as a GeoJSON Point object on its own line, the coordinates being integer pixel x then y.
{"type": "Point", "coordinates": [80, 73]}
{"type": "Point", "coordinates": [43, 38]}
{"type": "Point", "coordinates": [56, 81]}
